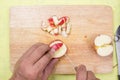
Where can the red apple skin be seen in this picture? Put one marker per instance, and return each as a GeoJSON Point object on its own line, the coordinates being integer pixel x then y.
{"type": "Point", "coordinates": [63, 20]}
{"type": "Point", "coordinates": [56, 46]}
{"type": "Point", "coordinates": [51, 22]}
{"type": "Point", "coordinates": [59, 46]}
{"type": "Point", "coordinates": [55, 41]}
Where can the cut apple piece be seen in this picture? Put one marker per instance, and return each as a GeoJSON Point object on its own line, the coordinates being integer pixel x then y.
{"type": "Point", "coordinates": [103, 45]}
{"type": "Point", "coordinates": [51, 22]}
{"type": "Point", "coordinates": [57, 46]}
{"type": "Point", "coordinates": [56, 31]}
{"type": "Point", "coordinates": [68, 28]}
{"type": "Point", "coordinates": [105, 51]}
{"type": "Point", "coordinates": [57, 26]}
{"type": "Point", "coordinates": [59, 29]}
{"type": "Point", "coordinates": [63, 20]}
{"type": "Point", "coordinates": [102, 40]}
{"type": "Point", "coordinates": [55, 19]}
{"type": "Point", "coordinates": [52, 32]}
{"type": "Point", "coordinates": [63, 33]}
{"type": "Point", "coordinates": [43, 26]}
{"type": "Point", "coordinates": [60, 48]}
{"type": "Point", "coordinates": [49, 28]}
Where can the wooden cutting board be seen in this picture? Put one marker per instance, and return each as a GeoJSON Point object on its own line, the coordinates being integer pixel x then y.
{"type": "Point", "coordinates": [87, 22]}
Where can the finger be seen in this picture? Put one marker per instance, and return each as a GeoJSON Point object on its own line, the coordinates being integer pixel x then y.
{"type": "Point", "coordinates": [31, 49]}
{"type": "Point", "coordinates": [38, 53]}
{"type": "Point", "coordinates": [91, 76]}
{"type": "Point", "coordinates": [97, 79]}
{"type": "Point", "coordinates": [28, 52]}
{"type": "Point", "coordinates": [41, 64]}
{"type": "Point", "coordinates": [48, 70]}
{"type": "Point", "coordinates": [81, 73]}
{"type": "Point", "coordinates": [76, 68]}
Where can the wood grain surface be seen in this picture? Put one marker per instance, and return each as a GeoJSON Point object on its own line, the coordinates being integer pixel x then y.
{"type": "Point", "coordinates": [87, 22]}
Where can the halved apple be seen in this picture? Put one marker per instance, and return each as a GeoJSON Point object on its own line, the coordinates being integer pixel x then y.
{"type": "Point", "coordinates": [103, 45]}
{"type": "Point", "coordinates": [60, 48]}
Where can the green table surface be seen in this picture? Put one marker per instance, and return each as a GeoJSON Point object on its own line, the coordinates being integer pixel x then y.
{"type": "Point", "coordinates": [5, 5]}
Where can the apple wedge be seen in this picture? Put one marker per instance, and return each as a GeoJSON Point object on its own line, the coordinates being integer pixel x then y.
{"type": "Point", "coordinates": [60, 48]}
{"type": "Point", "coordinates": [103, 45]}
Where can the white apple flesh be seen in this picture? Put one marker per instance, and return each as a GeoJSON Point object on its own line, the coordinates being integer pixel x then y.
{"type": "Point", "coordinates": [102, 40]}
{"type": "Point", "coordinates": [103, 45]}
{"type": "Point", "coordinates": [105, 51]}
{"type": "Point", "coordinates": [60, 48]}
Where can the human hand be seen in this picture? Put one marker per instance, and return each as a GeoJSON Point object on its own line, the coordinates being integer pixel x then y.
{"type": "Point", "coordinates": [36, 63]}
{"type": "Point", "coordinates": [83, 74]}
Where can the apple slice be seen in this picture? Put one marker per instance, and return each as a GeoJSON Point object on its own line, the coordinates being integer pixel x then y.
{"type": "Point", "coordinates": [60, 48]}
{"type": "Point", "coordinates": [103, 45]}
{"type": "Point", "coordinates": [102, 40]}
{"type": "Point", "coordinates": [105, 51]}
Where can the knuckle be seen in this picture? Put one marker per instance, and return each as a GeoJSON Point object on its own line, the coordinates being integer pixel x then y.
{"type": "Point", "coordinates": [43, 48]}
{"type": "Point", "coordinates": [49, 56]}
{"type": "Point", "coordinates": [23, 64]}
{"type": "Point", "coordinates": [46, 46]}
{"type": "Point", "coordinates": [37, 44]}
{"type": "Point", "coordinates": [25, 69]}
{"type": "Point", "coordinates": [30, 74]}
{"type": "Point", "coordinates": [39, 67]}
{"type": "Point", "coordinates": [27, 72]}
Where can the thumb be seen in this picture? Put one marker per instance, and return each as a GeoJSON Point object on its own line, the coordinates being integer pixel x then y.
{"type": "Point", "coordinates": [81, 73]}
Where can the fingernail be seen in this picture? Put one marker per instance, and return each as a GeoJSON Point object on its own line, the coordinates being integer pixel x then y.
{"type": "Point", "coordinates": [76, 68]}
{"type": "Point", "coordinates": [97, 79]}
{"type": "Point", "coordinates": [82, 67]}
{"type": "Point", "coordinates": [52, 49]}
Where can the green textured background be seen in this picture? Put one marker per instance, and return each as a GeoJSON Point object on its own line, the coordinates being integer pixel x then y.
{"type": "Point", "coordinates": [5, 5]}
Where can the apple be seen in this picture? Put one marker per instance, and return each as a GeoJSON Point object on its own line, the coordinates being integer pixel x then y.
{"type": "Point", "coordinates": [57, 26]}
{"type": "Point", "coordinates": [60, 48]}
{"type": "Point", "coordinates": [105, 51]}
{"type": "Point", "coordinates": [103, 45]}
